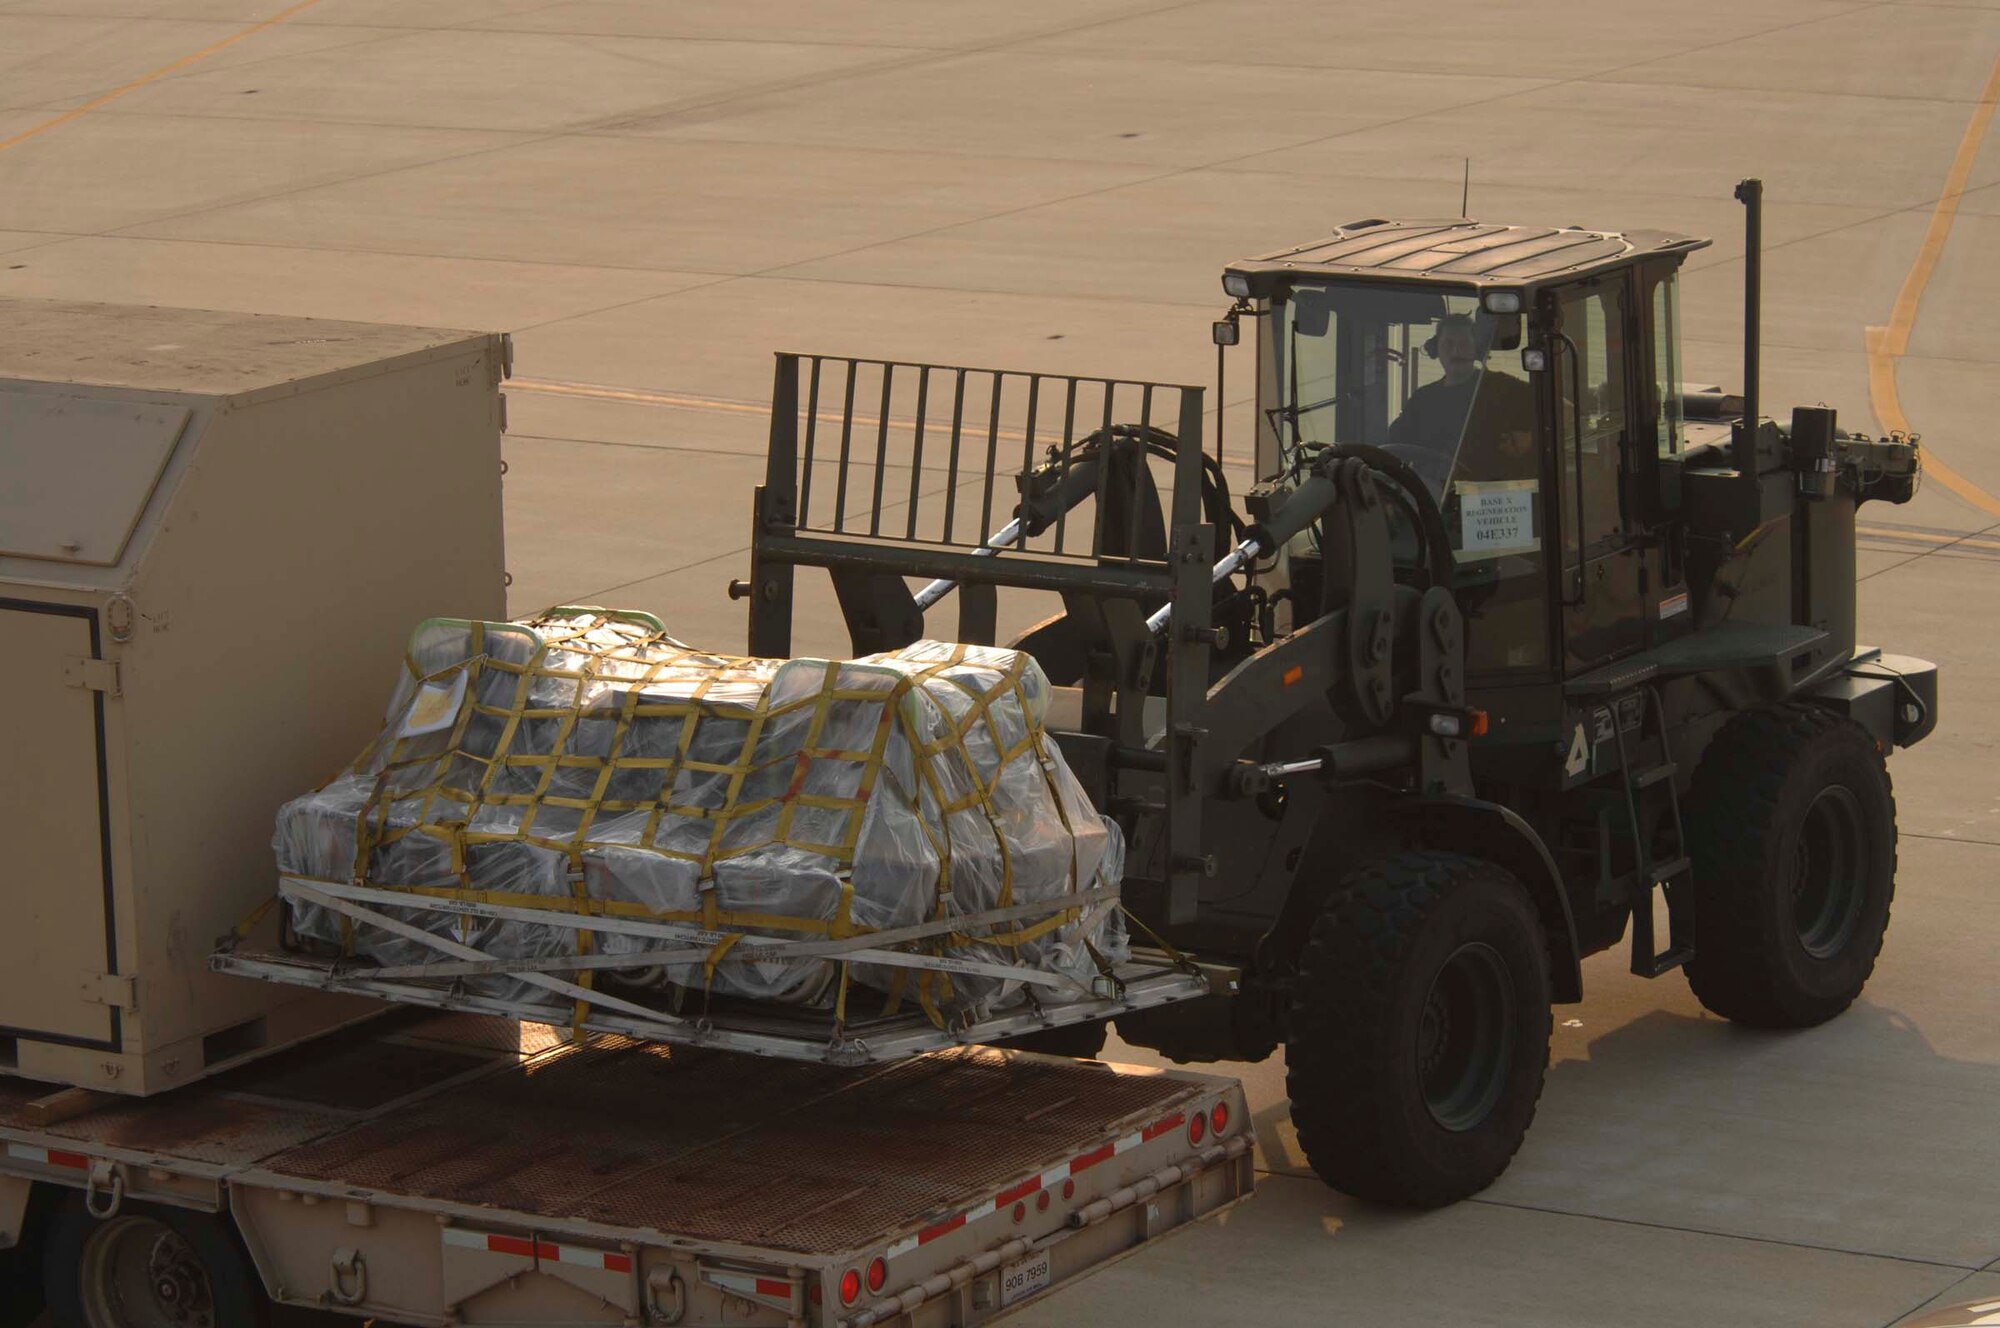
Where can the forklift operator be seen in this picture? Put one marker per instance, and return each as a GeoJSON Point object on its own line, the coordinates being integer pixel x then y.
{"type": "Point", "coordinates": [1486, 417]}
{"type": "Point", "coordinates": [1475, 426]}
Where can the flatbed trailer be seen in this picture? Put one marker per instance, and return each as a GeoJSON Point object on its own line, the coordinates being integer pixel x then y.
{"type": "Point", "coordinates": [452, 1168]}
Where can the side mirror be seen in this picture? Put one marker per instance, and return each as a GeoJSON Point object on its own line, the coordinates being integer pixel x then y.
{"type": "Point", "coordinates": [1312, 312]}
{"type": "Point", "coordinates": [1506, 331]}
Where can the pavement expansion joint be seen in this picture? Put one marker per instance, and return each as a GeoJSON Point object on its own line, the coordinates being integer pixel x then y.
{"type": "Point", "coordinates": [1940, 1294]}
{"type": "Point", "coordinates": [1725, 1235]}
{"type": "Point", "coordinates": [1948, 839]}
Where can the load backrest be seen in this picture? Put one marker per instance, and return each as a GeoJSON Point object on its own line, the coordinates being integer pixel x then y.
{"type": "Point", "coordinates": [880, 470]}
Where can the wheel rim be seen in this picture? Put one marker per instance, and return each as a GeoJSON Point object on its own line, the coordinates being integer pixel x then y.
{"type": "Point", "coordinates": [140, 1273]}
{"type": "Point", "coordinates": [1829, 872]}
{"type": "Point", "coordinates": [1465, 1037]}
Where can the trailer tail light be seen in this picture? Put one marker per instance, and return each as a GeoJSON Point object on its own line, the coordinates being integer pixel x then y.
{"type": "Point", "coordinates": [1197, 1127]}
{"type": "Point", "coordinates": [1218, 1118]}
{"type": "Point", "coordinates": [878, 1273]}
{"type": "Point", "coordinates": [850, 1287]}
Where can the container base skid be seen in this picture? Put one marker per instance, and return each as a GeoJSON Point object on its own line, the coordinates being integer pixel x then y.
{"type": "Point", "coordinates": [1148, 979]}
{"type": "Point", "coordinates": [446, 1169]}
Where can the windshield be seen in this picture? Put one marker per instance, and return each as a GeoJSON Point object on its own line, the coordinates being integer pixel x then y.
{"type": "Point", "coordinates": [1412, 371]}
{"type": "Point", "coordinates": [1422, 375]}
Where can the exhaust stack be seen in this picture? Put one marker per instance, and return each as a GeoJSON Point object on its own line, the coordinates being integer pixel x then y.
{"type": "Point", "coordinates": [1750, 193]}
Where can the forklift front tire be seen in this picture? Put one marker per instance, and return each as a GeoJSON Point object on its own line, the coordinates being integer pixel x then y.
{"type": "Point", "coordinates": [1792, 829]}
{"type": "Point", "coordinates": [1419, 1034]}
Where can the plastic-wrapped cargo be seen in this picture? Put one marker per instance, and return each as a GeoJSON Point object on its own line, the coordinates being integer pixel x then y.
{"type": "Point", "coordinates": [585, 761]}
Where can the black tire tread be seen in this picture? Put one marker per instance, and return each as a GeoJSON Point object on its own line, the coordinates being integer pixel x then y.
{"type": "Point", "coordinates": [1733, 807]}
{"type": "Point", "coordinates": [1340, 1020]}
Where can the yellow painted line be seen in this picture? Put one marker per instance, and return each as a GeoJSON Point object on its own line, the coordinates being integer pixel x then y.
{"type": "Point", "coordinates": [1925, 537]}
{"type": "Point", "coordinates": [727, 405]}
{"type": "Point", "coordinates": [1888, 344]}
{"type": "Point", "coordinates": [160, 73]}
{"type": "Point", "coordinates": [637, 396]}
{"type": "Point", "coordinates": [737, 406]}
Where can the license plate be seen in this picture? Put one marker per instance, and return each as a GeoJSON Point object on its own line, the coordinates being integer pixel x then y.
{"type": "Point", "coordinates": [1020, 1280]}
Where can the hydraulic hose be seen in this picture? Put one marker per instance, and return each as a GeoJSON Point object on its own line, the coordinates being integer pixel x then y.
{"type": "Point", "coordinates": [1313, 499]}
{"type": "Point", "coordinates": [1079, 481]}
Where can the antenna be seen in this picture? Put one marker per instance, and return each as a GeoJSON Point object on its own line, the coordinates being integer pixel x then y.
{"type": "Point", "coordinates": [1465, 196]}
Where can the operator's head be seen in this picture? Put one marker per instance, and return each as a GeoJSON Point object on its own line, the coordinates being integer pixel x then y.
{"type": "Point", "coordinates": [1457, 347]}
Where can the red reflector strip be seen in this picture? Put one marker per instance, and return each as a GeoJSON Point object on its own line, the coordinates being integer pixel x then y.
{"type": "Point", "coordinates": [747, 1284]}
{"type": "Point", "coordinates": [1092, 1158]}
{"type": "Point", "coordinates": [489, 1242]}
{"type": "Point", "coordinates": [944, 1228]}
{"type": "Point", "coordinates": [545, 1251]}
{"type": "Point", "coordinates": [48, 1157]}
{"type": "Point", "coordinates": [1021, 1191]}
{"type": "Point", "coordinates": [581, 1257]}
{"type": "Point", "coordinates": [1047, 1180]}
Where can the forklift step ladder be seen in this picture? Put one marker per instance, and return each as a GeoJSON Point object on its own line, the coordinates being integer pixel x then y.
{"type": "Point", "coordinates": [1643, 793]}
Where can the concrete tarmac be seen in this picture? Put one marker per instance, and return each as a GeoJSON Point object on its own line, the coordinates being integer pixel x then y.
{"type": "Point", "coordinates": [653, 197]}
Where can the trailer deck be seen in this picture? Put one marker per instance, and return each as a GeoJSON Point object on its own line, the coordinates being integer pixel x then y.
{"type": "Point", "coordinates": [435, 1168]}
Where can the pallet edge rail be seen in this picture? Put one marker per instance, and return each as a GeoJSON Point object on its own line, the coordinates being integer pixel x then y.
{"type": "Point", "coordinates": [1150, 978]}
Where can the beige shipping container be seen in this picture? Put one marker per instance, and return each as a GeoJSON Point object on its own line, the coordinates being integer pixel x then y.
{"type": "Point", "coordinates": [216, 532]}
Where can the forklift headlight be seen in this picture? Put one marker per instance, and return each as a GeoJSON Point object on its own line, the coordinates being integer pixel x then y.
{"type": "Point", "coordinates": [1534, 360]}
{"type": "Point", "coordinates": [1503, 302]}
{"type": "Point", "coordinates": [1236, 285]}
{"type": "Point", "coordinates": [1454, 724]}
{"type": "Point", "coordinates": [1224, 332]}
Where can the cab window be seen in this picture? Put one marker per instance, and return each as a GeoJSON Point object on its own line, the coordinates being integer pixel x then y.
{"type": "Point", "coordinates": [1667, 363]}
{"type": "Point", "coordinates": [1427, 376]}
{"type": "Point", "coordinates": [1591, 418]}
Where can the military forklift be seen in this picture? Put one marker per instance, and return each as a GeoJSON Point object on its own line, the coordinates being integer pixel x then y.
{"type": "Point", "coordinates": [1513, 649]}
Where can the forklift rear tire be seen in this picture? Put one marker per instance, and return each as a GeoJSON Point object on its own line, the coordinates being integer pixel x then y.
{"type": "Point", "coordinates": [1792, 830]}
{"type": "Point", "coordinates": [1419, 1033]}
{"type": "Point", "coordinates": [148, 1266]}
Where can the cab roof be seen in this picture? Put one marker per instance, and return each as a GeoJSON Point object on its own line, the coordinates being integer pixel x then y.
{"type": "Point", "coordinates": [1460, 252]}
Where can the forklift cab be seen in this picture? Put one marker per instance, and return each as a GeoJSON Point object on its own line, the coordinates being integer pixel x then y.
{"type": "Point", "coordinates": [1531, 379]}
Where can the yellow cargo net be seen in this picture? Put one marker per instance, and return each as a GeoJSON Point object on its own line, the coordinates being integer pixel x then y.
{"type": "Point", "coordinates": [550, 733]}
